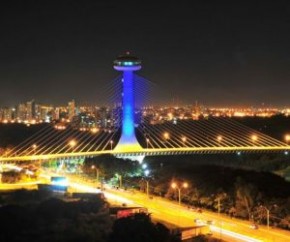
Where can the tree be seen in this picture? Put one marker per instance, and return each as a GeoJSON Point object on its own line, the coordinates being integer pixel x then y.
{"type": "Point", "coordinates": [245, 198]}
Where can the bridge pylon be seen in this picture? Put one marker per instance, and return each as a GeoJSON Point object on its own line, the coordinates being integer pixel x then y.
{"type": "Point", "coordinates": [128, 64]}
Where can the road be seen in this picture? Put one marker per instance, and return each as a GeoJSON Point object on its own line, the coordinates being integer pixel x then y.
{"type": "Point", "coordinates": [170, 212]}
{"type": "Point", "coordinates": [180, 216]}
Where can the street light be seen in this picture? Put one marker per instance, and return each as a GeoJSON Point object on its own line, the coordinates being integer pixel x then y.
{"type": "Point", "coordinates": [111, 143]}
{"type": "Point", "coordinates": [175, 186]}
{"type": "Point", "coordinates": [93, 167]}
{"type": "Point", "coordinates": [72, 143]}
{"type": "Point", "coordinates": [184, 139]}
{"type": "Point", "coordinates": [34, 146]}
{"type": "Point", "coordinates": [146, 172]}
{"type": "Point", "coordinates": [147, 187]}
{"type": "Point", "coordinates": [166, 135]}
{"type": "Point", "coordinates": [219, 138]}
{"type": "Point", "coordinates": [147, 142]}
{"type": "Point", "coordinates": [254, 137]}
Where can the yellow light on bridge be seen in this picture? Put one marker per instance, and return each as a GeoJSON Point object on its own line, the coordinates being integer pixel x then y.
{"type": "Point", "coordinates": [254, 137]}
{"type": "Point", "coordinates": [166, 135]}
{"type": "Point", "coordinates": [72, 143]}
{"type": "Point", "coordinates": [184, 139]}
{"type": "Point", "coordinates": [287, 138]}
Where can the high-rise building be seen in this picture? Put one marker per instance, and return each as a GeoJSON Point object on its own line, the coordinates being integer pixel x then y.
{"type": "Point", "coordinates": [56, 113]}
{"type": "Point", "coordinates": [21, 112]}
{"type": "Point", "coordinates": [45, 113]}
{"type": "Point", "coordinates": [7, 114]}
{"type": "Point", "coordinates": [71, 109]}
{"type": "Point", "coordinates": [30, 110]}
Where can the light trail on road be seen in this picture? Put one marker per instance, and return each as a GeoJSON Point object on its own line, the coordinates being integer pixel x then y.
{"type": "Point", "coordinates": [233, 234]}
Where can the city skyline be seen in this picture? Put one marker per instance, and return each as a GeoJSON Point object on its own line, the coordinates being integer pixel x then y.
{"type": "Point", "coordinates": [32, 112]}
{"type": "Point", "coordinates": [218, 53]}
{"type": "Point", "coordinates": [174, 102]}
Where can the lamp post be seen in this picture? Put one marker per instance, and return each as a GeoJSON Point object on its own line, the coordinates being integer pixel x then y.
{"type": "Point", "coordinates": [93, 167]}
{"type": "Point", "coordinates": [166, 136]}
{"type": "Point", "coordinates": [268, 215]}
{"type": "Point", "coordinates": [219, 138]}
{"type": "Point", "coordinates": [111, 143]}
{"type": "Point", "coordinates": [175, 186]}
{"type": "Point", "coordinates": [72, 143]}
{"type": "Point", "coordinates": [147, 187]}
{"type": "Point", "coordinates": [120, 180]}
{"type": "Point", "coordinates": [34, 146]}
{"type": "Point", "coordinates": [287, 138]}
{"type": "Point", "coordinates": [147, 142]}
{"type": "Point", "coordinates": [254, 137]}
{"type": "Point", "coordinates": [184, 139]}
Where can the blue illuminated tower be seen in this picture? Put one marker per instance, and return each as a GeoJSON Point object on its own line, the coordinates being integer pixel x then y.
{"type": "Point", "coordinates": [128, 64]}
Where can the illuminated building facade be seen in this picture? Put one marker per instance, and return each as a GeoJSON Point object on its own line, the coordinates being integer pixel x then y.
{"type": "Point", "coordinates": [71, 109]}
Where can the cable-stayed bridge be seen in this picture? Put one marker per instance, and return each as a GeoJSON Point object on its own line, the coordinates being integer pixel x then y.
{"type": "Point", "coordinates": [211, 135]}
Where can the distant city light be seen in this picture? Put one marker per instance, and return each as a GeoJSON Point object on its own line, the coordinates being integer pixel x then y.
{"type": "Point", "coordinates": [94, 130]}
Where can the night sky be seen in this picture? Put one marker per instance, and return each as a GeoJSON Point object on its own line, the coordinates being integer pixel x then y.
{"type": "Point", "coordinates": [234, 53]}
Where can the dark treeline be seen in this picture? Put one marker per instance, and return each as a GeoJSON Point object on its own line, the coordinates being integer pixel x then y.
{"type": "Point", "coordinates": [241, 189]}
{"type": "Point", "coordinates": [42, 217]}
